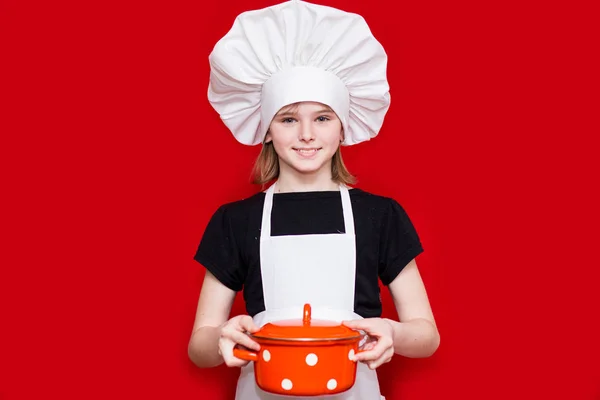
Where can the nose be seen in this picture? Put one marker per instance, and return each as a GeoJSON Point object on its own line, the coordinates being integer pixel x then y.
{"type": "Point", "coordinates": [306, 132]}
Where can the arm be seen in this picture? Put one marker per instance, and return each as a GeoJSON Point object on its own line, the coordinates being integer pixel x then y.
{"type": "Point", "coordinates": [213, 311]}
{"type": "Point", "coordinates": [416, 334]}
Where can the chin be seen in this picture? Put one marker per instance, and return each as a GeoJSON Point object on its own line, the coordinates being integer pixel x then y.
{"type": "Point", "coordinates": [308, 168]}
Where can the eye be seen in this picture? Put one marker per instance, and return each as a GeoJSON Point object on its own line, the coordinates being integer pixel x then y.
{"type": "Point", "coordinates": [323, 118]}
{"type": "Point", "coordinates": [288, 120]}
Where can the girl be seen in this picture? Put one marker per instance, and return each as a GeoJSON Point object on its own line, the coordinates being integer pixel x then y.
{"type": "Point", "coordinates": [301, 80]}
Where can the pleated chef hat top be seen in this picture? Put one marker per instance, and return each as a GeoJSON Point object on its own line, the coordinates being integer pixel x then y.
{"type": "Point", "coordinates": [297, 51]}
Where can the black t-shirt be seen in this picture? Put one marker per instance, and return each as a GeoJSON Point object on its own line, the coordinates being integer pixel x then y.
{"type": "Point", "coordinates": [386, 240]}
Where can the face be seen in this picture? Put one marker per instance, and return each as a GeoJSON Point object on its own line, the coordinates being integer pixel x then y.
{"type": "Point", "coordinates": [305, 136]}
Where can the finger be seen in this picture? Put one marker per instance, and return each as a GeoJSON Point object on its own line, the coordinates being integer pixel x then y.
{"type": "Point", "coordinates": [386, 357]}
{"type": "Point", "coordinates": [369, 346]}
{"type": "Point", "coordinates": [247, 324]}
{"type": "Point", "coordinates": [355, 323]}
{"type": "Point", "coordinates": [366, 347]}
{"type": "Point", "coordinates": [379, 362]}
{"type": "Point", "coordinates": [241, 338]}
{"type": "Point", "coordinates": [226, 350]}
{"type": "Point", "coordinates": [367, 356]}
{"type": "Point", "coordinates": [377, 351]}
{"type": "Point", "coordinates": [370, 339]}
{"type": "Point", "coordinates": [365, 325]}
{"type": "Point", "coordinates": [233, 361]}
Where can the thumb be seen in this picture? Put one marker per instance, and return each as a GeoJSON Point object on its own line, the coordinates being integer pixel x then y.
{"type": "Point", "coordinates": [355, 324]}
{"type": "Point", "coordinates": [366, 325]}
{"type": "Point", "coordinates": [247, 323]}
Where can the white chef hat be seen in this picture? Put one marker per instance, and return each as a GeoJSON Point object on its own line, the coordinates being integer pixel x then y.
{"type": "Point", "coordinates": [297, 51]}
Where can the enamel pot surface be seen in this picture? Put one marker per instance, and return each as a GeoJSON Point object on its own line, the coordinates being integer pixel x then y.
{"type": "Point", "coordinates": [304, 357]}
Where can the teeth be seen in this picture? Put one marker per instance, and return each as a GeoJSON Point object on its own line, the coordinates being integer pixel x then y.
{"type": "Point", "coordinates": [303, 151]}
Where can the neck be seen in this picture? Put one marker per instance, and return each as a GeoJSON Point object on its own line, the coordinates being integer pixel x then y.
{"type": "Point", "coordinates": [293, 181]}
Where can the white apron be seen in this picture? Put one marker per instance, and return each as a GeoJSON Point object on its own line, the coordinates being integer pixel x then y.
{"type": "Point", "coordinates": [315, 269]}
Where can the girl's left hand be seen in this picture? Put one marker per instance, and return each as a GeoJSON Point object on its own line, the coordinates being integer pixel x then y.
{"type": "Point", "coordinates": [379, 351]}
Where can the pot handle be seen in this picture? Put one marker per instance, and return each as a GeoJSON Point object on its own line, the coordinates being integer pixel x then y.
{"type": "Point", "coordinates": [363, 342]}
{"type": "Point", "coordinates": [244, 354]}
{"type": "Point", "coordinates": [306, 314]}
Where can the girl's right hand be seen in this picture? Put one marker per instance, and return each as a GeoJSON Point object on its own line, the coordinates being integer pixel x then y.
{"type": "Point", "coordinates": [233, 332]}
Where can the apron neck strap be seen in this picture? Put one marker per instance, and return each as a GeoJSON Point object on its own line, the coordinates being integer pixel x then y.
{"type": "Point", "coordinates": [346, 207]}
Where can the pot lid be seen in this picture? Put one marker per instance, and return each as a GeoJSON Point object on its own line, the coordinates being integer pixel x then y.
{"type": "Point", "coordinates": [306, 329]}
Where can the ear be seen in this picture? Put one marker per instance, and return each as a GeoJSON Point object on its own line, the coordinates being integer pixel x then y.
{"type": "Point", "coordinates": [268, 137]}
{"type": "Point", "coordinates": [341, 135]}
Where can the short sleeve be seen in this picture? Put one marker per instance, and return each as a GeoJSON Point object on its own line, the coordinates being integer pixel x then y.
{"type": "Point", "coordinates": [219, 253]}
{"type": "Point", "coordinates": [399, 244]}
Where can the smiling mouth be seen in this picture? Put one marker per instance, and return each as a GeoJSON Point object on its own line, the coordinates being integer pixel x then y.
{"type": "Point", "coordinates": [307, 152]}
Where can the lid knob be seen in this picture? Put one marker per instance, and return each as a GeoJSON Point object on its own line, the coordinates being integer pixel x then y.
{"type": "Point", "coordinates": [306, 316]}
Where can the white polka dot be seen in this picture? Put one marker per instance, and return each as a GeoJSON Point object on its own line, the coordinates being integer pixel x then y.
{"type": "Point", "coordinates": [350, 354]}
{"type": "Point", "coordinates": [312, 359]}
{"type": "Point", "coordinates": [331, 384]}
{"type": "Point", "coordinates": [286, 384]}
{"type": "Point", "coordinates": [266, 355]}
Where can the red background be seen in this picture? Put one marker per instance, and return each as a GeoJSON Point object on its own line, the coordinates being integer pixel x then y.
{"type": "Point", "coordinates": [113, 162]}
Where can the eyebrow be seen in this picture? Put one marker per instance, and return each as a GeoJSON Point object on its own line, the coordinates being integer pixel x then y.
{"type": "Point", "coordinates": [292, 113]}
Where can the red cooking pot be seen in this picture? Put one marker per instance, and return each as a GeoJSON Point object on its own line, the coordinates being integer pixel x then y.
{"type": "Point", "coordinates": [304, 357]}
